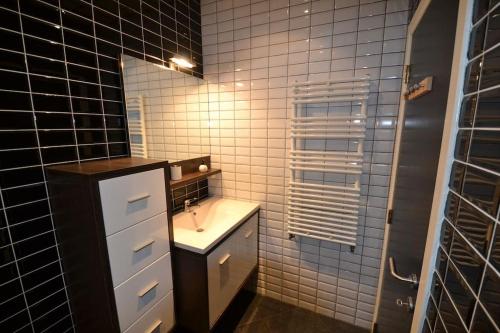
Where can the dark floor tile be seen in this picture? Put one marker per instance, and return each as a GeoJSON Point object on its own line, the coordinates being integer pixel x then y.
{"type": "Point", "coordinates": [257, 326]}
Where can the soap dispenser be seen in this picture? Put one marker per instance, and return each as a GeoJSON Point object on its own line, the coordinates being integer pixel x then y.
{"type": "Point", "coordinates": [203, 167]}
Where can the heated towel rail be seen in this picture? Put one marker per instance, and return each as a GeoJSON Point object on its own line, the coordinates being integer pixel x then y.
{"type": "Point", "coordinates": [326, 158]}
{"type": "Point", "coordinates": [136, 126]}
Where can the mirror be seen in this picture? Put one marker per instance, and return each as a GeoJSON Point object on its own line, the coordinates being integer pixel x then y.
{"type": "Point", "coordinates": [167, 111]}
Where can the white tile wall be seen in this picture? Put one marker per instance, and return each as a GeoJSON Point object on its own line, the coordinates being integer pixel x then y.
{"type": "Point", "coordinates": [252, 50]}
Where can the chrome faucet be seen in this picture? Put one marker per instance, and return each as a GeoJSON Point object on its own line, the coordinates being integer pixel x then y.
{"type": "Point", "coordinates": [188, 203]}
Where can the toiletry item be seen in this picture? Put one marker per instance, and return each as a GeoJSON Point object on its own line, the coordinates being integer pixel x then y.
{"type": "Point", "coordinates": [203, 167]}
{"type": "Point", "coordinates": [175, 172]}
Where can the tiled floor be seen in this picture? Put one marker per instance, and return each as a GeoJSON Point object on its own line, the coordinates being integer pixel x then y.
{"type": "Point", "coordinates": [260, 314]}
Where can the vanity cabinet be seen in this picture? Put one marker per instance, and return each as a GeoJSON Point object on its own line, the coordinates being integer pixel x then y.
{"type": "Point", "coordinates": [207, 283]}
{"type": "Point", "coordinates": [115, 234]}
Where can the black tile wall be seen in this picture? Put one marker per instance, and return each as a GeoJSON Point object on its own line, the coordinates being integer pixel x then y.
{"type": "Point", "coordinates": [466, 291]}
{"type": "Point", "coordinates": [197, 190]}
{"type": "Point", "coordinates": [61, 101]}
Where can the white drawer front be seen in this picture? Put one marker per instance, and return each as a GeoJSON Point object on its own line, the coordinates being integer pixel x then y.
{"type": "Point", "coordinates": [229, 265]}
{"type": "Point", "coordinates": [222, 277]}
{"type": "Point", "coordinates": [133, 198]}
{"type": "Point", "coordinates": [134, 248]}
{"type": "Point", "coordinates": [247, 236]}
{"type": "Point", "coordinates": [160, 319]}
{"type": "Point", "coordinates": [139, 293]}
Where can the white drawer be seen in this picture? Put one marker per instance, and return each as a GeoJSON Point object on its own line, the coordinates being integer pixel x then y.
{"type": "Point", "coordinates": [138, 294]}
{"type": "Point", "coordinates": [134, 248]}
{"type": "Point", "coordinates": [228, 266]}
{"type": "Point", "coordinates": [133, 198]}
{"type": "Point", "coordinates": [160, 319]}
{"type": "Point", "coordinates": [247, 236]}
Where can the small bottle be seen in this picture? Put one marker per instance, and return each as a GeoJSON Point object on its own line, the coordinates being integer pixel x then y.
{"type": "Point", "coordinates": [203, 167]}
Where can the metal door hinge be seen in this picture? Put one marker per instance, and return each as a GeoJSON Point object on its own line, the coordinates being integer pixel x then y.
{"type": "Point", "coordinates": [406, 74]}
{"type": "Point", "coordinates": [389, 216]}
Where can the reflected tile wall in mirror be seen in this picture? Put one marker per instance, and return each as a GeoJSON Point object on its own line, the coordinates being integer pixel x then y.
{"type": "Point", "coordinates": [175, 109]}
{"type": "Point", "coordinates": [470, 232]}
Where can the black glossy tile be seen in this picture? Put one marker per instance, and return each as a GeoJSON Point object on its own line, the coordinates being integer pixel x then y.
{"type": "Point", "coordinates": [91, 136]}
{"type": "Point", "coordinates": [16, 120]}
{"type": "Point", "coordinates": [487, 114]}
{"type": "Point", "coordinates": [109, 6]}
{"type": "Point", "coordinates": [59, 154]}
{"type": "Point", "coordinates": [116, 135]}
{"type": "Point", "coordinates": [37, 260]}
{"type": "Point", "coordinates": [467, 261]}
{"type": "Point", "coordinates": [11, 40]}
{"type": "Point", "coordinates": [131, 29]}
{"type": "Point", "coordinates": [481, 323]}
{"type": "Point", "coordinates": [44, 102]}
{"type": "Point", "coordinates": [113, 108]}
{"type": "Point", "coordinates": [13, 81]}
{"type": "Point", "coordinates": [11, 60]}
{"type": "Point", "coordinates": [439, 328]}
{"type": "Point", "coordinates": [22, 194]}
{"type": "Point", "coordinates": [79, 40]}
{"type": "Point", "coordinates": [32, 245]}
{"type": "Point", "coordinates": [475, 226]}
{"type": "Point", "coordinates": [493, 33]}
{"type": "Point", "coordinates": [48, 288]}
{"type": "Point", "coordinates": [480, 9]}
{"type": "Point", "coordinates": [85, 105]}
{"type": "Point", "coordinates": [46, 66]}
{"type": "Point", "coordinates": [18, 177]}
{"type": "Point", "coordinates": [133, 44]}
{"type": "Point", "coordinates": [16, 322]}
{"type": "Point", "coordinates": [115, 122]}
{"type": "Point", "coordinates": [46, 305]}
{"type": "Point", "coordinates": [40, 275]}
{"type": "Point", "coordinates": [441, 262]}
{"type": "Point", "coordinates": [81, 73]}
{"type": "Point", "coordinates": [80, 7]}
{"type": "Point", "coordinates": [49, 31]}
{"type": "Point", "coordinates": [107, 19]}
{"type": "Point", "coordinates": [495, 250]}
{"type": "Point", "coordinates": [47, 120]}
{"type": "Point", "coordinates": [81, 89]}
{"type": "Point", "coordinates": [431, 312]}
{"type": "Point", "coordinates": [111, 51]}
{"type": "Point", "coordinates": [29, 229]}
{"type": "Point", "coordinates": [110, 79]}
{"type": "Point", "coordinates": [118, 149]}
{"type": "Point", "coordinates": [56, 138]}
{"type": "Point", "coordinates": [107, 34]}
{"type": "Point", "coordinates": [460, 294]}
{"type": "Point", "coordinates": [485, 149]}
{"type": "Point", "coordinates": [450, 317]}
{"type": "Point", "coordinates": [110, 93]}
{"type": "Point", "coordinates": [130, 15]}
{"type": "Point", "coordinates": [481, 188]}
{"type": "Point", "coordinates": [17, 139]}
{"type": "Point", "coordinates": [11, 307]}
{"type": "Point", "coordinates": [88, 121]}
{"type": "Point", "coordinates": [446, 236]}
{"type": "Point", "coordinates": [48, 85]}
{"type": "Point", "coordinates": [81, 57]}
{"type": "Point", "coordinates": [92, 151]}
{"type": "Point", "coordinates": [61, 326]}
{"type": "Point", "coordinates": [490, 74]}
{"type": "Point", "coordinates": [18, 158]}
{"type": "Point", "coordinates": [6, 254]}
{"type": "Point", "coordinates": [9, 20]}
{"type": "Point", "coordinates": [11, 289]}
{"type": "Point", "coordinates": [78, 23]}
{"type": "Point", "coordinates": [27, 211]}
{"type": "Point", "coordinates": [40, 10]}
{"type": "Point", "coordinates": [44, 48]}
{"type": "Point", "coordinates": [472, 76]}
{"type": "Point", "coordinates": [8, 272]}
{"type": "Point", "coordinates": [489, 294]}
{"type": "Point", "coordinates": [47, 320]}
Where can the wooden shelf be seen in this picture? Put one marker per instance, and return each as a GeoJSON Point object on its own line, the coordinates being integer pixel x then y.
{"type": "Point", "coordinates": [193, 176]}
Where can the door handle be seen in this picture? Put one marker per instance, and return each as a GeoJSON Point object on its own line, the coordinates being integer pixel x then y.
{"type": "Point", "coordinates": [412, 278]}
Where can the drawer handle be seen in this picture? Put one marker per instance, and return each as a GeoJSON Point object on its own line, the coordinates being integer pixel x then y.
{"type": "Point", "coordinates": [249, 233]}
{"type": "Point", "coordinates": [138, 197]}
{"type": "Point", "coordinates": [143, 245]}
{"type": "Point", "coordinates": [154, 327]}
{"type": "Point", "coordinates": [224, 259]}
{"type": "Point", "coordinates": [147, 289]}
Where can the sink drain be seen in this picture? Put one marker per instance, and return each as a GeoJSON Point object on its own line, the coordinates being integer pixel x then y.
{"type": "Point", "coordinates": [200, 230]}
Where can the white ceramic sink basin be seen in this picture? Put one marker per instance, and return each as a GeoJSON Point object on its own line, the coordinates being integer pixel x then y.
{"type": "Point", "coordinates": [205, 225]}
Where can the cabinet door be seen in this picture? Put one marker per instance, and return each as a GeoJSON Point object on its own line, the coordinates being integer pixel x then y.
{"type": "Point", "coordinates": [142, 291]}
{"type": "Point", "coordinates": [160, 319]}
{"type": "Point", "coordinates": [247, 239]}
{"type": "Point", "coordinates": [134, 248]}
{"type": "Point", "coordinates": [133, 198]}
{"type": "Point", "coordinates": [223, 278]}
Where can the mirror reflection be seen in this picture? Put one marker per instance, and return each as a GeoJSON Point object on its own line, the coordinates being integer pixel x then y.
{"type": "Point", "coordinates": [167, 111]}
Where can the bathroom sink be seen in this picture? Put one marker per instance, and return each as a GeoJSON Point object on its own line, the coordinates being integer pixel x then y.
{"type": "Point", "coordinates": [207, 224]}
